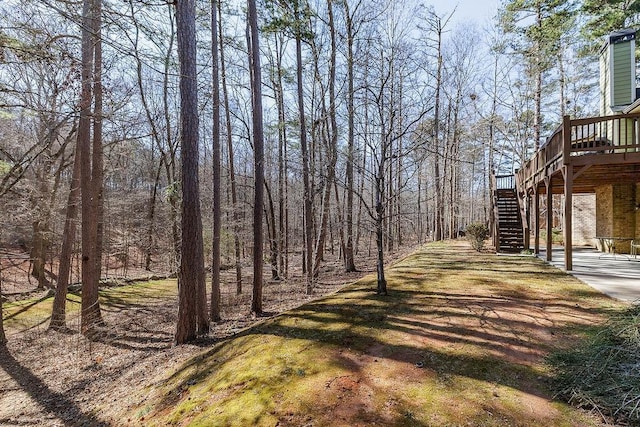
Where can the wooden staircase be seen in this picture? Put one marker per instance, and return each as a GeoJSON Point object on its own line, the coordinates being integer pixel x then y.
{"type": "Point", "coordinates": [509, 230]}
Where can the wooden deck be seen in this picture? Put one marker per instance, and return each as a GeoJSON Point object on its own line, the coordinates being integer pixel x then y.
{"type": "Point", "coordinates": [580, 155]}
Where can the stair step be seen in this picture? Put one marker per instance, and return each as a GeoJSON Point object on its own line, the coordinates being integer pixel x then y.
{"type": "Point", "coordinates": [510, 233]}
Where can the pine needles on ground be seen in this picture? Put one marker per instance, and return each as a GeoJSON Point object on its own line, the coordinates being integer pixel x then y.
{"type": "Point", "coordinates": [603, 373]}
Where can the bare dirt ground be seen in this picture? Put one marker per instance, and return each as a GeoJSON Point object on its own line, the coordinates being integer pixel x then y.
{"type": "Point", "coordinates": [60, 379]}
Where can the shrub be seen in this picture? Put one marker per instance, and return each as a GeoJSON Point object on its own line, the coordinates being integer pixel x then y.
{"type": "Point", "coordinates": [477, 233]}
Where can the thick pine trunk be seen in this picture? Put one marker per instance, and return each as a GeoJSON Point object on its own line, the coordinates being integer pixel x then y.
{"type": "Point", "coordinates": [192, 314]}
{"type": "Point", "coordinates": [90, 308]}
{"type": "Point", "coordinates": [258, 144]}
{"type": "Point", "coordinates": [97, 166]}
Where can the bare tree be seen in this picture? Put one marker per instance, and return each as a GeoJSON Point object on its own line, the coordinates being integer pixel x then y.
{"type": "Point", "coordinates": [349, 260]}
{"type": "Point", "coordinates": [58, 312]}
{"type": "Point", "coordinates": [217, 215]}
{"type": "Point", "coordinates": [231, 160]}
{"type": "Point", "coordinates": [307, 195]}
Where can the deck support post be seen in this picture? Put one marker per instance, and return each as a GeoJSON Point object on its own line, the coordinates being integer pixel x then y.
{"type": "Point", "coordinates": [568, 213]}
{"type": "Point", "coordinates": [549, 190]}
{"type": "Point", "coordinates": [527, 213]}
{"type": "Point", "coordinates": [536, 221]}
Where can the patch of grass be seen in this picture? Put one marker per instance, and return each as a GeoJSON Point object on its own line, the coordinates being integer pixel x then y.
{"type": "Point", "coordinates": [4, 166]}
{"type": "Point", "coordinates": [29, 313]}
{"type": "Point", "coordinates": [603, 371]}
{"type": "Point", "coordinates": [461, 339]}
{"type": "Point", "coordinates": [556, 235]}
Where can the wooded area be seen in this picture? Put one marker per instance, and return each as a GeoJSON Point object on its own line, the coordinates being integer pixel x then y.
{"type": "Point", "coordinates": [136, 137]}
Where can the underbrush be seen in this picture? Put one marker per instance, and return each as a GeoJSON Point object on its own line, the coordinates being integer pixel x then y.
{"type": "Point", "coordinates": [603, 372]}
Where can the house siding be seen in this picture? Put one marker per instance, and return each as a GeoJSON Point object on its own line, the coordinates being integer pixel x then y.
{"type": "Point", "coordinates": [622, 77]}
{"type": "Point", "coordinates": [605, 109]}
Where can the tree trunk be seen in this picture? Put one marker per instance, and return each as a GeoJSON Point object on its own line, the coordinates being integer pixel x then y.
{"type": "Point", "coordinates": [171, 158]}
{"type": "Point", "coordinates": [217, 214]}
{"type": "Point", "coordinates": [191, 279]}
{"type": "Point", "coordinates": [307, 209]}
{"type": "Point", "coordinates": [332, 145]}
{"type": "Point", "coordinates": [258, 144]}
{"type": "Point", "coordinates": [151, 216]}
{"type": "Point", "coordinates": [3, 338]}
{"type": "Point", "coordinates": [537, 96]}
{"type": "Point", "coordinates": [270, 215]}
{"type": "Point", "coordinates": [37, 254]}
{"type": "Point", "coordinates": [455, 167]}
{"type": "Point", "coordinates": [58, 313]}
{"type": "Point", "coordinates": [166, 159]}
{"type": "Point", "coordinates": [349, 261]}
{"type": "Point", "coordinates": [363, 167]}
{"type": "Point", "coordinates": [97, 166]}
{"type": "Point", "coordinates": [562, 80]}
{"type": "Point", "coordinates": [90, 308]}
{"type": "Point", "coordinates": [437, 235]}
{"type": "Point", "coordinates": [231, 165]}
{"type": "Point", "coordinates": [381, 281]}
{"type": "Point", "coordinates": [282, 170]}
{"type": "Point", "coordinates": [339, 214]}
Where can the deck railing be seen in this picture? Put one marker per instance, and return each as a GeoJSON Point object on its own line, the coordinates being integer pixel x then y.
{"type": "Point", "coordinates": [505, 182]}
{"type": "Point", "coordinates": [617, 134]}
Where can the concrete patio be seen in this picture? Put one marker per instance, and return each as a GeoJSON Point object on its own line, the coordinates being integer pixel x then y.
{"type": "Point", "coordinates": [617, 276]}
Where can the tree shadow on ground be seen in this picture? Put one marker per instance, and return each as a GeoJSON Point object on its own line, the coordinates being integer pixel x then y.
{"type": "Point", "coordinates": [54, 403]}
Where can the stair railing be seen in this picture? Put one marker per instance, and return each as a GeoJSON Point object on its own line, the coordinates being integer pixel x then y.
{"type": "Point", "coordinates": [493, 220]}
{"type": "Point", "coordinates": [525, 211]}
{"type": "Point", "coordinates": [500, 182]}
{"type": "Point", "coordinates": [506, 182]}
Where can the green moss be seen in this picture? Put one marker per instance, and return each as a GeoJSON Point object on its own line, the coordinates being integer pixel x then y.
{"type": "Point", "coordinates": [4, 166]}
{"type": "Point", "coordinates": [28, 313]}
{"type": "Point", "coordinates": [460, 339]}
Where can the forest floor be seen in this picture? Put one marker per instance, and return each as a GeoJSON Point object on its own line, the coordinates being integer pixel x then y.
{"type": "Point", "coordinates": [461, 339]}
{"type": "Point", "coordinates": [57, 378]}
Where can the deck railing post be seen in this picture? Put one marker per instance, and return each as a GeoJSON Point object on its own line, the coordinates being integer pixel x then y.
{"type": "Point", "coordinates": [536, 211]}
{"type": "Point", "coordinates": [568, 214]}
{"type": "Point", "coordinates": [566, 139]}
{"type": "Point", "coordinates": [549, 190]}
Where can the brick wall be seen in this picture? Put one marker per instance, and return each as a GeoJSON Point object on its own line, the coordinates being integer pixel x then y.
{"type": "Point", "coordinates": [584, 219]}
{"type": "Point", "coordinates": [637, 211]}
{"type": "Point", "coordinates": [615, 212]}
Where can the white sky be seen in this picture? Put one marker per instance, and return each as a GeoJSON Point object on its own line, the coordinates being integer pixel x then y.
{"type": "Point", "coordinates": [480, 11]}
